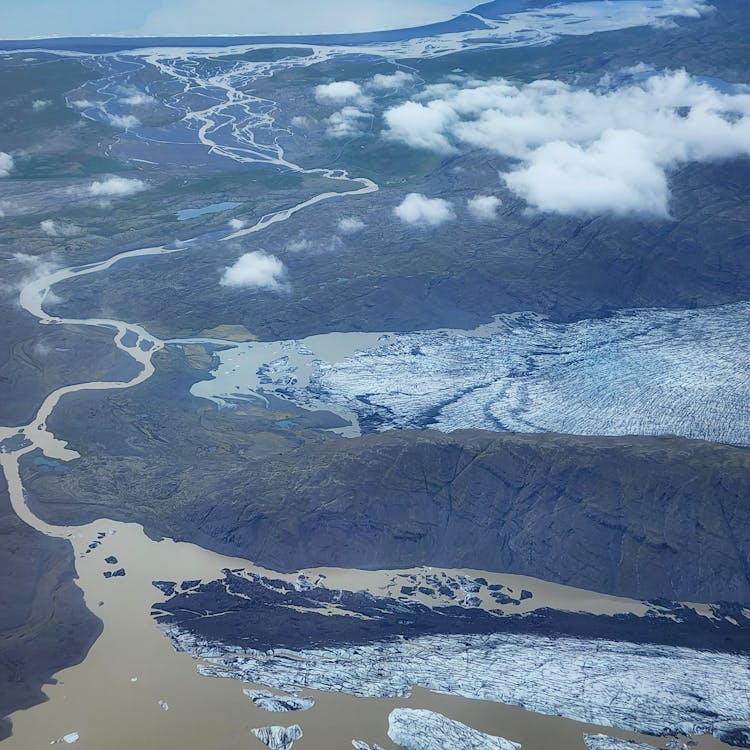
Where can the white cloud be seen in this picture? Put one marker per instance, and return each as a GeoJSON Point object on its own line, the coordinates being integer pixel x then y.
{"type": "Point", "coordinates": [394, 82]}
{"type": "Point", "coordinates": [299, 245]}
{"type": "Point", "coordinates": [615, 174]}
{"type": "Point", "coordinates": [341, 92]}
{"type": "Point", "coordinates": [37, 267]}
{"type": "Point", "coordinates": [257, 270]}
{"type": "Point", "coordinates": [39, 104]}
{"type": "Point", "coordinates": [126, 122]}
{"type": "Point", "coordinates": [347, 123]}
{"type": "Point", "coordinates": [351, 225]}
{"type": "Point", "coordinates": [421, 211]}
{"type": "Point", "coordinates": [59, 229]}
{"type": "Point", "coordinates": [583, 151]}
{"type": "Point", "coordinates": [6, 164]}
{"type": "Point", "coordinates": [138, 99]}
{"type": "Point", "coordinates": [236, 224]}
{"type": "Point", "coordinates": [300, 121]}
{"type": "Point", "coordinates": [83, 104]}
{"type": "Point", "coordinates": [484, 207]}
{"type": "Point", "coordinates": [113, 187]}
{"type": "Point", "coordinates": [422, 126]}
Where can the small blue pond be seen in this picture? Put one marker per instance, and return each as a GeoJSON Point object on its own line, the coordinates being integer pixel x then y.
{"type": "Point", "coordinates": [214, 208]}
{"type": "Point", "coordinates": [49, 463]}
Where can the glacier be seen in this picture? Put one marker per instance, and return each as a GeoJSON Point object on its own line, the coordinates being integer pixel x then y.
{"type": "Point", "coordinates": [637, 372]}
{"type": "Point", "coordinates": [658, 690]}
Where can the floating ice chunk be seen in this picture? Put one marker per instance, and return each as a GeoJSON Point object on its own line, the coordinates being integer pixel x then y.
{"type": "Point", "coordinates": [417, 729]}
{"type": "Point", "coordinates": [68, 739]}
{"type": "Point", "coordinates": [134, 679]}
{"type": "Point", "coordinates": [303, 583]}
{"type": "Point", "coordinates": [279, 738]}
{"type": "Point", "coordinates": [278, 703]}
{"type": "Point", "coordinates": [605, 742]}
{"type": "Point", "coordinates": [164, 705]}
{"type": "Point", "coordinates": [359, 745]}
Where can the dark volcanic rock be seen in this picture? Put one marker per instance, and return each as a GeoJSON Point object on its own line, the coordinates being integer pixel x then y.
{"type": "Point", "coordinates": [258, 613]}
{"type": "Point", "coordinates": [166, 587]}
{"type": "Point", "coordinates": [502, 598]}
{"type": "Point", "coordinates": [44, 623]}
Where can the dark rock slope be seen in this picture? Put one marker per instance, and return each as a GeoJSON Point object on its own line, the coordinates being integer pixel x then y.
{"type": "Point", "coordinates": [637, 517]}
{"type": "Point", "coordinates": [44, 623]}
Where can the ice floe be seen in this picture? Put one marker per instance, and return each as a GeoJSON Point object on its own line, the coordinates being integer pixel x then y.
{"type": "Point", "coordinates": [359, 745]}
{"type": "Point", "coordinates": [417, 729]}
{"type": "Point", "coordinates": [279, 738]}
{"type": "Point", "coordinates": [68, 739]}
{"type": "Point", "coordinates": [278, 703]}
{"type": "Point", "coordinates": [605, 742]}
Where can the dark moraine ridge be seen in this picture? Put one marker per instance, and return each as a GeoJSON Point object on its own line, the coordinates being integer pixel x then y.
{"type": "Point", "coordinates": [44, 623]}
{"type": "Point", "coordinates": [632, 516]}
{"type": "Point", "coordinates": [259, 613]}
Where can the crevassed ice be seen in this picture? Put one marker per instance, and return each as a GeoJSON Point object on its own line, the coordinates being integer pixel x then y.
{"type": "Point", "coordinates": [640, 372]}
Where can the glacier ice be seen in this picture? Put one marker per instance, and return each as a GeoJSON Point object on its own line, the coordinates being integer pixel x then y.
{"type": "Point", "coordinates": [359, 745]}
{"type": "Point", "coordinates": [279, 738]}
{"type": "Point", "coordinates": [644, 688]}
{"type": "Point", "coordinates": [605, 742]}
{"type": "Point", "coordinates": [278, 703]}
{"type": "Point", "coordinates": [417, 729]}
{"type": "Point", "coordinates": [639, 372]}
{"type": "Point", "coordinates": [68, 739]}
